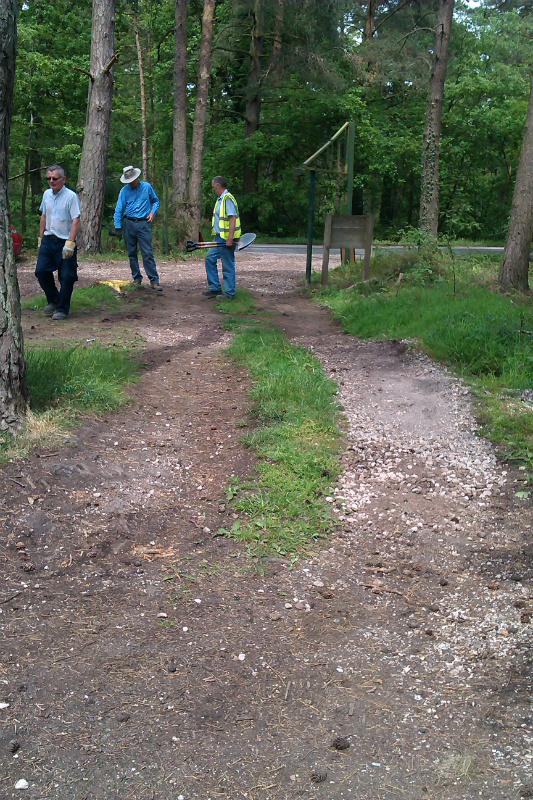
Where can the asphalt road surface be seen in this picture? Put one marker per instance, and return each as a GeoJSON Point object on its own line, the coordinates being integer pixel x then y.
{"type": "Point", "coordinates": [301, 249]}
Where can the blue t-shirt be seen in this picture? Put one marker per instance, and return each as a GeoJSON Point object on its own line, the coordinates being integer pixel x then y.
{"type": "Point", "coordinates": [136, 202]}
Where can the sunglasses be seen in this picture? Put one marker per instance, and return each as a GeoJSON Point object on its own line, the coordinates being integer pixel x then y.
{"type": "Point", "coordinates": [54, 179]}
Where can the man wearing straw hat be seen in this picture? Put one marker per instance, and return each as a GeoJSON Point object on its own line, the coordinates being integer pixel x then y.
{"type": "Point", "coordinates": [137, 205]}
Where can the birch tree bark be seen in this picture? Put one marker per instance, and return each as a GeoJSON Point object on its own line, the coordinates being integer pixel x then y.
{"type": "Point", "coordinates": [93, 164]}
{"type": "Point", "coordinates": [514, 269]}
{"type": "Point", "coordinates": [429, 195]}
{"type": "Point", "coordinates": [200, 119]}
{"type": "Point", "coordinates": [13, 393]}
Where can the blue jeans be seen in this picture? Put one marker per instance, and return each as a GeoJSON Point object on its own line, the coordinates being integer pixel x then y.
{"type": "Point", "coordinates": [139, 232]}
{"type": "Point", "coordinates": [50, 259]}
{"type": "Point", "coordinates": [227, 256]}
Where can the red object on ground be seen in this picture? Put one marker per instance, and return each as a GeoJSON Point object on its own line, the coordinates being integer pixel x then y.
{"type": "Point", "coordinates": [17, 240]}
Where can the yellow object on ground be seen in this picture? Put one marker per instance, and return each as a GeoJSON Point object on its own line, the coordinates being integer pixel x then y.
{"type": "Point", "coordinates": [115, 284]}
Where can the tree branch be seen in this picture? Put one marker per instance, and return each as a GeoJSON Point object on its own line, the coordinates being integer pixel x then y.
{"type": "Point", "coordinates": [394, 11]}
{"type": "Point", "coordinates": [170, 30]}
{"type": "Point", "coordinates": [415, 30]}
{"type": "Point", "coordinates": [21, 174]}
{"type": "Point", "coordinates": [110, 63]}
{"type": "Point", "coordinates": [85, 72]}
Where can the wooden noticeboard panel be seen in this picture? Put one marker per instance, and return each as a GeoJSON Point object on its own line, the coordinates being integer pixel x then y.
{"type": "Point", "coordinates": [351, 231]}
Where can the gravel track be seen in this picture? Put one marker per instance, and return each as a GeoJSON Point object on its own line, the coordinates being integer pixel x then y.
{"type": "Point", "coordinates": [145, 657]}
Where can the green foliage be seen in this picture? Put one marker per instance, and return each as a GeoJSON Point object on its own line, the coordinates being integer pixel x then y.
{"type": "Point", "coordinates": [49, 100]}
{"type": "Point", "coordinates": [483, 124]}
{"type": "Point", "coordinates": [324, 75]}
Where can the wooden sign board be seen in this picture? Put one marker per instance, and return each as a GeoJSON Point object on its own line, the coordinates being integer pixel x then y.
{"type": "Point", "coordinates": [350, 231]}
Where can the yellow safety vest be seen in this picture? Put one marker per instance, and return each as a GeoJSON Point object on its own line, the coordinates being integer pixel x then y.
{"type": "Point", "coordinates": [224, 219]}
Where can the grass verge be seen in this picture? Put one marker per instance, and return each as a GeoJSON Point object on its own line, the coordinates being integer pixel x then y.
{"type": "Point", "coordinates": [64, 382]}
{"type": "Point", "coordinates": [294, 433]}
{"type": "Point", "coordinates": [99, 295]}
{"type": "Point", "coordinates": [453, 309]}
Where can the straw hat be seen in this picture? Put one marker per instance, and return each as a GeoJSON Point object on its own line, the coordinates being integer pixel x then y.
{"type": "Point", "coordinates": [129, 174]}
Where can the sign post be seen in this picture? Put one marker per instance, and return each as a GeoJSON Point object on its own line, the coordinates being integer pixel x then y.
{"type": "Point", "coordinates": [310, 224]}
{"type": "Point", "coordinates": [312, 186]}
{"type": "Point", "coordinates": [348, 231]}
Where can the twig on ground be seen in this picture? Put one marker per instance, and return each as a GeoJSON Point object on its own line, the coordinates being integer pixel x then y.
{"type": "Point", "coordinates": [11, 597]}
{"type": "Point", "coordinates": [379, 589]}
{"type": "Point", "coordinates": [14, 481]}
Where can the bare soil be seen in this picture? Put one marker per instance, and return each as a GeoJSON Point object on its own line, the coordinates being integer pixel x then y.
{"type": "Point", "coordinates": [146, 656]}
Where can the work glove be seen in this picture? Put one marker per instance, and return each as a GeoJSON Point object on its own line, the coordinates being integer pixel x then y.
{"type": "Point", "coordinates": [68, 249]}
{"type": "Point", "coordinates": [116, 232]}
{"type": "Point", "coordinates": [39, 240]}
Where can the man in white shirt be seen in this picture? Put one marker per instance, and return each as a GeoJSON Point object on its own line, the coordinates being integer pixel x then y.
{"type": "Point", "coordinates": [60, 223]}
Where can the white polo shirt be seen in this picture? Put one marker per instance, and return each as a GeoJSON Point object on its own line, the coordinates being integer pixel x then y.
{"type": "Point", "coordinates": [60, 210]}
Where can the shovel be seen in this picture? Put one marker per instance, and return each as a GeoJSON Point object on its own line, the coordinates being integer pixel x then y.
{"type": "Point", "coordinates": [245, 240]}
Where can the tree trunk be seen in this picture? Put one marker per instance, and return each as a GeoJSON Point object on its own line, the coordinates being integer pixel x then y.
{"type": "Point", "coordinates": [253, 94]}
{"type": "Point", "coordinates": [514, 268]}
{"type": "Point", "coordinates": [93, 164]}
{"type": "Point", "coordinates": [23, 215]}
{"type": "Point", "coordinates": [35, 176]}
{"type": "Point", "coordinates": [13, 393]}
{"type": "Point", "coordinates": [200, 119]}
{"type": "Point", "coordinates": [278, 27]}
{"type": "Point", "coordinates": [144, 126]}
{"type": "Point", "coordinates": [429, 197]}
{"type": "Point", "coordinates": [150, 121]}
{"type": "Point", "coordinates": [370, 22]}
{"type": "Point", "coordinates": [179, 148]}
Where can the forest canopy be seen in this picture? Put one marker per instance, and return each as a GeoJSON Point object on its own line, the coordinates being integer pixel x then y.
{"type": "Point", "coordinates": [284, 77]}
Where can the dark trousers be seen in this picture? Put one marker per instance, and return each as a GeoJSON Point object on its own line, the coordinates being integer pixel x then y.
{"type": "Point", "coordinates": [50, 260]}
{"type": "Point", "coordinates": [139, 232]}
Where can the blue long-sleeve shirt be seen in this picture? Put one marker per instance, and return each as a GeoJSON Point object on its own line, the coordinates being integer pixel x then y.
{"type": "Point", "coordinates": [136, 202]}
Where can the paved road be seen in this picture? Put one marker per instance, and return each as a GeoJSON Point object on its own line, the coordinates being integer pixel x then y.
{"type": "Point", "coordinates": [301, 249]}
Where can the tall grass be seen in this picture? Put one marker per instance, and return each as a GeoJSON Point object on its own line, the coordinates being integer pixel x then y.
{"type": "Point", "coordinates": [294, 415]}
{"type": "Point", "coordinates": [454, 311]}
{"type": "Point", "coordinates": [64, 382]}
{"type": "Point", "coordinates": [481, 333]}
{"type": "Point", "coordinates": [79, 378]}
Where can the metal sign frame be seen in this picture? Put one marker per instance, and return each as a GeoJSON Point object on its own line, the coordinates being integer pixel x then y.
{"type": "Point", "coordinates": [312, 186]}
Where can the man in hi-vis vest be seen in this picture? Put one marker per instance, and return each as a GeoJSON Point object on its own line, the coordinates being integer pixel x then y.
{"type": "Point", "coordinates": [226, 231]}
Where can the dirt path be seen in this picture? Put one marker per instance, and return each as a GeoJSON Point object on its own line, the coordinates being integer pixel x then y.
{"type": "Point", "coordinates": [144, 657]}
